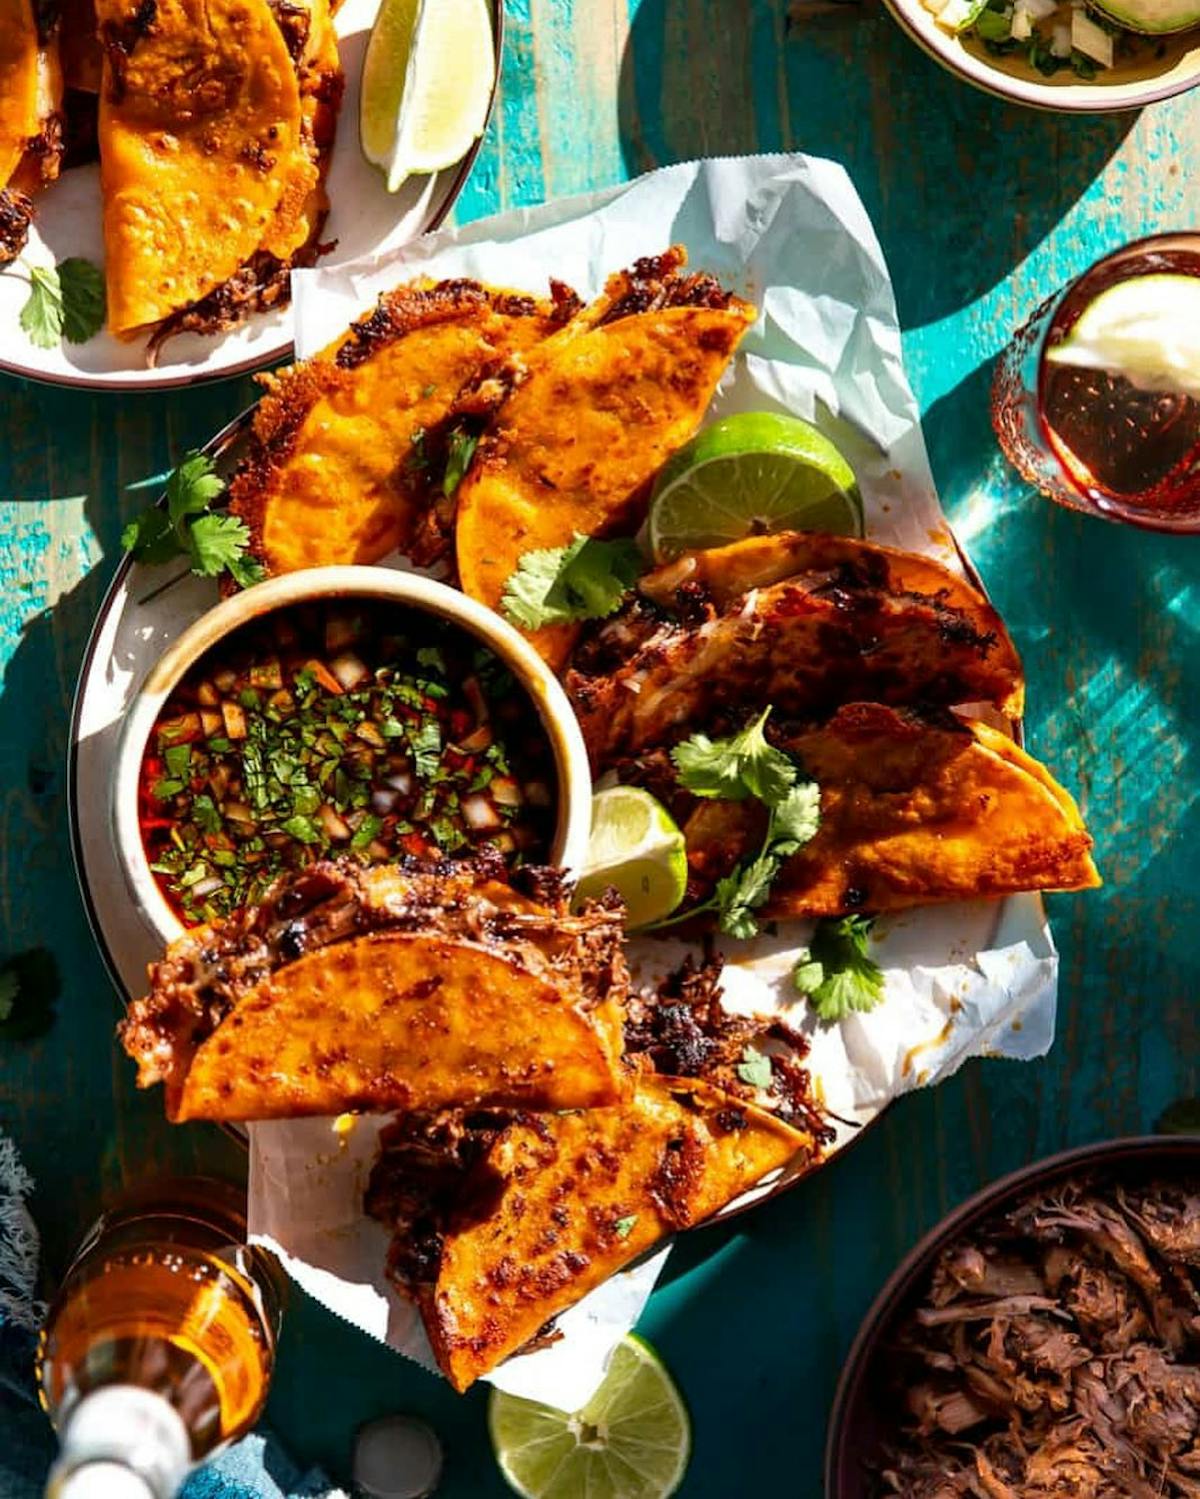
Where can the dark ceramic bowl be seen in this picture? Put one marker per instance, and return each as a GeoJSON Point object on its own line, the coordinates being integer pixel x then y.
{"type": "Point", "coordinates": [860, 1422]}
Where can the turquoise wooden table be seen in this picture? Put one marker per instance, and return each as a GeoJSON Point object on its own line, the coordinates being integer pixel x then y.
{"type": "Point", "coordinates": [981, 209]}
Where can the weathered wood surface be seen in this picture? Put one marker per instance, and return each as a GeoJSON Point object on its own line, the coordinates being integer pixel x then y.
{"type": "Point", "coordinates": [982, 209]}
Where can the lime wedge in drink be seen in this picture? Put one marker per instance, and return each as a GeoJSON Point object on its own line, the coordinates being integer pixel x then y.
{"type": "Point", "coordinates": [748, 474]}
{"type": "Point", "coordinates": [1146, 328]}
{"type": "Point", "coordinates": [637, 847]}
{"type": "Point", "coordinates": [426, 84]}
{"type": "Point", "coordinates": [631, 1440]}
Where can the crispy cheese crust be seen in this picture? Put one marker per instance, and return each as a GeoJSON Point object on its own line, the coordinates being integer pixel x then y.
{"type": "Point", "coordinates": [345, 447]}
{"type": "Point", "coordinates": [212, 114]}
{"type": "Point", "coordinates": [916, 808]}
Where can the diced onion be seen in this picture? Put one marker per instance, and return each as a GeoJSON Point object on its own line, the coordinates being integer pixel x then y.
{"type": "Point", "coordinates": [505, 791]}
{"type": "Point", "coordinates": [1060, 42]}
{"type": "Point", "coordinates": [335, 827]}
{"type": "Point", "coordinates": [477, 740]}
{"type": "Point", "coordinates": [349, 670]}
{"type": "Point", "coordinates": [478, 813]}
{"type": "Point", "coordinates": [210, 886]}
{"type": "Point", "coordinates": [383, 799]}
{"type": "Point", "coordinates": [1022, 23]}
{"type": "Point", "coordinates": [1092, 40]}
{"type": "Point", "coordinates": [402, 782]}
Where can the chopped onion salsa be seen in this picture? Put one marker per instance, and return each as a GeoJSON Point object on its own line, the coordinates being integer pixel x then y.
{"type": "Point", "coordinates": [371, 731]}
{"type": "Point", "coordinates": [1050, 34]}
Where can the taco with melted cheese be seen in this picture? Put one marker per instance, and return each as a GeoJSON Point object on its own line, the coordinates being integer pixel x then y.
{"type": "Point", "coordinates": [373, 990]}
{"type": "Point", "coordinates": [30, 115]}
{"type": "Point", "coordinates": [216, 122]}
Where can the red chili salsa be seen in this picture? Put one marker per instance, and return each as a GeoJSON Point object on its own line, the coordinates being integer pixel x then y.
{"type": "Point", "coordinates": [372, 731]}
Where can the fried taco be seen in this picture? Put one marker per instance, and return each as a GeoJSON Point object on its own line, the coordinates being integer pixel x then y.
{"type": "Point", "coordinates": [387, 988]}
{"type": "Point", "coordinates": [592, 415]}
{"type": "Point", "coordinates": [542, 1209]}
{"type": "Point", "coordinates": [30, 115]}
{"type": "Point", "coordinates": [216, 123]}
{"type": "Point", "coordinates": [916, 807]}
{"type": "Point", "coordinates": [349, 450]}
{"type": "Point", "coordinates": [802, 621]}
{"type": "Point", "coordinates": [501, 1221]}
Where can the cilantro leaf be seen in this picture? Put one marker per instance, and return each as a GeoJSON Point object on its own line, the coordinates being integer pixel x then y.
{"type": "Point", "coordinates": [623, 1227]}
{"type": "Point", "coordinates": [246, 571]}
{"type": "Point", "coordinates": [65, 301]}
{"type": "Point", "coordinates": [462, 450]}
{"type": "Point", "coordinates": [151, 537]}
{"type": "Point", "coordinates": [795, 819]}
{"type": "Point", "coordinates": [1181, 1118]}
{"type": "Point", "coordinates": [755, 1068]}
{"type": "Point", "coordinates": [216, 541]}
{"type": "Point", "coordinates": [82, 293]}
{"type": "Point", "coordinates": [742, 892]}
{"type": "Point", "coordinates": [193, 486]}
{"type": "Point", "coordinates": [850, 981]}
{"type": "Point", "coordinates": [733, 769]}
{"type": "Point", "coordinates": [586, 580]}
{"type": "Point", "coordinates": [42, 315]}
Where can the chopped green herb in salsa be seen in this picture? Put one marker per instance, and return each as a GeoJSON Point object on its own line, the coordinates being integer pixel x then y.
{"type": "Point", "coordinates": [377, 733]}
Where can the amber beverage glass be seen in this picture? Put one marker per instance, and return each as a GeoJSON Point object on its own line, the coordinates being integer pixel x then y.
{"type": "Point", "coordinates": [1090, 439]}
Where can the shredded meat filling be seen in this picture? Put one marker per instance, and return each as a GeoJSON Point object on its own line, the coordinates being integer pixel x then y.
{"type": "Point", "coordinates": [1056, 1354]}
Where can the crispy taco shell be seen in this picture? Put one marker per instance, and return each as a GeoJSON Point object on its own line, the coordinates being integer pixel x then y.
{"type": "Point", "coordinates": [801, 622]}
{"type": "Point", "coordinates": [342, 466]}
{"type": "Point", "coordinates": [30, 117]}
{"type": "Point", "coordinates": [560, 1203]}
{"type": "Point", "coordinates": [402, 1021]}
{"type": "Point", "coordinates": [210, 168]}
{"type": "Point", "coordinates": [915, 809]}
{"type": "Point", "coordinates": [594, 412]}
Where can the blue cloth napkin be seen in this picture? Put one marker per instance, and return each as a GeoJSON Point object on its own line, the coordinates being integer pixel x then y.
{"type": "Point", "coordinates": [255, 1468]}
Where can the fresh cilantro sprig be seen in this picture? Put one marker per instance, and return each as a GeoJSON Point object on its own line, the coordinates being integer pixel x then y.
{"type": "Point", "coordinates": [755, 1068]}
{"type": "Point", "coordinates": [188, 527]}
{"type": "Point", "coordinates": [586, 580]}
{"type": "Point", "coordinates": [837, 972]}
{"type": "Point", "coordinates": [65, 301]}
{"type": "Point", "coordinates": [742, 766]}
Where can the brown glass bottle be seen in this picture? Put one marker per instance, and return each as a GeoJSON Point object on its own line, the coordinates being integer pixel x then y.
{"type": "Point", "coordinates": [159, 1346]}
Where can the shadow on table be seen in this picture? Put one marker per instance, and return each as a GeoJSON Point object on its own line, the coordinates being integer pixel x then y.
{"type": "Point", "coordinates": [960, 186]}
{"type": "Point", "coordinates": [67, 478]}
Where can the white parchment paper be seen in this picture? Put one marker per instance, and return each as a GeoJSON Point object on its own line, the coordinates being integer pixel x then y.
{"type": "Point", "coordinates": [974, 979]}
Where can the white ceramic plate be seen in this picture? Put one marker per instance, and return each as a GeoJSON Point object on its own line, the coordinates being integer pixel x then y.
{"type": "Point", "coordinates": [364, 219]}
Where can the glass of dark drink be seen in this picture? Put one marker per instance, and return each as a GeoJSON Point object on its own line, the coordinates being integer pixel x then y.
{"type": "Point", "coordinates": [1097, 399]}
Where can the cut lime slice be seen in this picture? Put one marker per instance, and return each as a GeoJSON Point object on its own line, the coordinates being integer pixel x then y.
{"type": "Point", "coordinates": [427, 84]}
{"type": "Point", "coordinates": [632, 1440]}
{"type": "Point", "coordinates": [637, 847]}
{"type": "Point", "coordinates": [1146, 328]}
{"type": "Point", "coordinates": [748, 474]}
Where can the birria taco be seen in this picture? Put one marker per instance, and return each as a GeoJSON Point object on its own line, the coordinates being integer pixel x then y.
{"type": "Point", "coordinates": [382, 989]}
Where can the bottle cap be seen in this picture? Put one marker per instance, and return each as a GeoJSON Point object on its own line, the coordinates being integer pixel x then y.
{"type": "Point", "coordinates": [121, 1441]}
{"type": "Point", "coordinates": [397, 1457]}
{"type": "Point", "coordinates": [103, 1480]}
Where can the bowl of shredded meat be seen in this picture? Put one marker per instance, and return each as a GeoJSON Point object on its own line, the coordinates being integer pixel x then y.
{"type": "Point", "coordinates": [1042, 1342]}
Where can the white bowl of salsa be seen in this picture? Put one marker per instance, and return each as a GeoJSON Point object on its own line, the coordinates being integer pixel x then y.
{"type": "Point", "coordinates": [352, 712]}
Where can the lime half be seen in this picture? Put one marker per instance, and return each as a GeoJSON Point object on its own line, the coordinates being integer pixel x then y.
{"type": "Point", "coordinates": [631, 1440]}
{"type": "Point", "coordinates": [1146, 328]}
{"type": "Point", "coordinates": [636, 846]}
{"type": "Point", "coordinates": [426, 84]}
{"type": "Point", "coordinates": [749, 474]}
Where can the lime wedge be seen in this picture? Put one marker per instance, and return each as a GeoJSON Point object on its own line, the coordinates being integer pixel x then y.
{"type": "Point", "coordinates": [749, 474]}
{"type": "Point", "coordinates": [426, 84]}
{"type": "Point", "coordinates": [637, 847]}
{"type": "Point", "coordinates": [631, 1440]}
{"type": "Point", "coordinates": [1146, 328]}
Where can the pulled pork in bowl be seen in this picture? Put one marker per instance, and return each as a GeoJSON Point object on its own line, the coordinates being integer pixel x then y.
{"type": "Point", "coordinates": [1043, 1341]}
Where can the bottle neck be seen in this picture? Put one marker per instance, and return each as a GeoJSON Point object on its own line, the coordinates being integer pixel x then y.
{"type": "Point", "coordinates": [121, 1442]}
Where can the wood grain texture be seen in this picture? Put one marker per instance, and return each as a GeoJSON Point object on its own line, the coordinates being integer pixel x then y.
{"type": "Point", "coordinates": [982, 209]}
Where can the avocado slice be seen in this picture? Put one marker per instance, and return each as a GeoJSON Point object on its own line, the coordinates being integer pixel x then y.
{"type": "Point", "coordinates": [1151, 17]}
